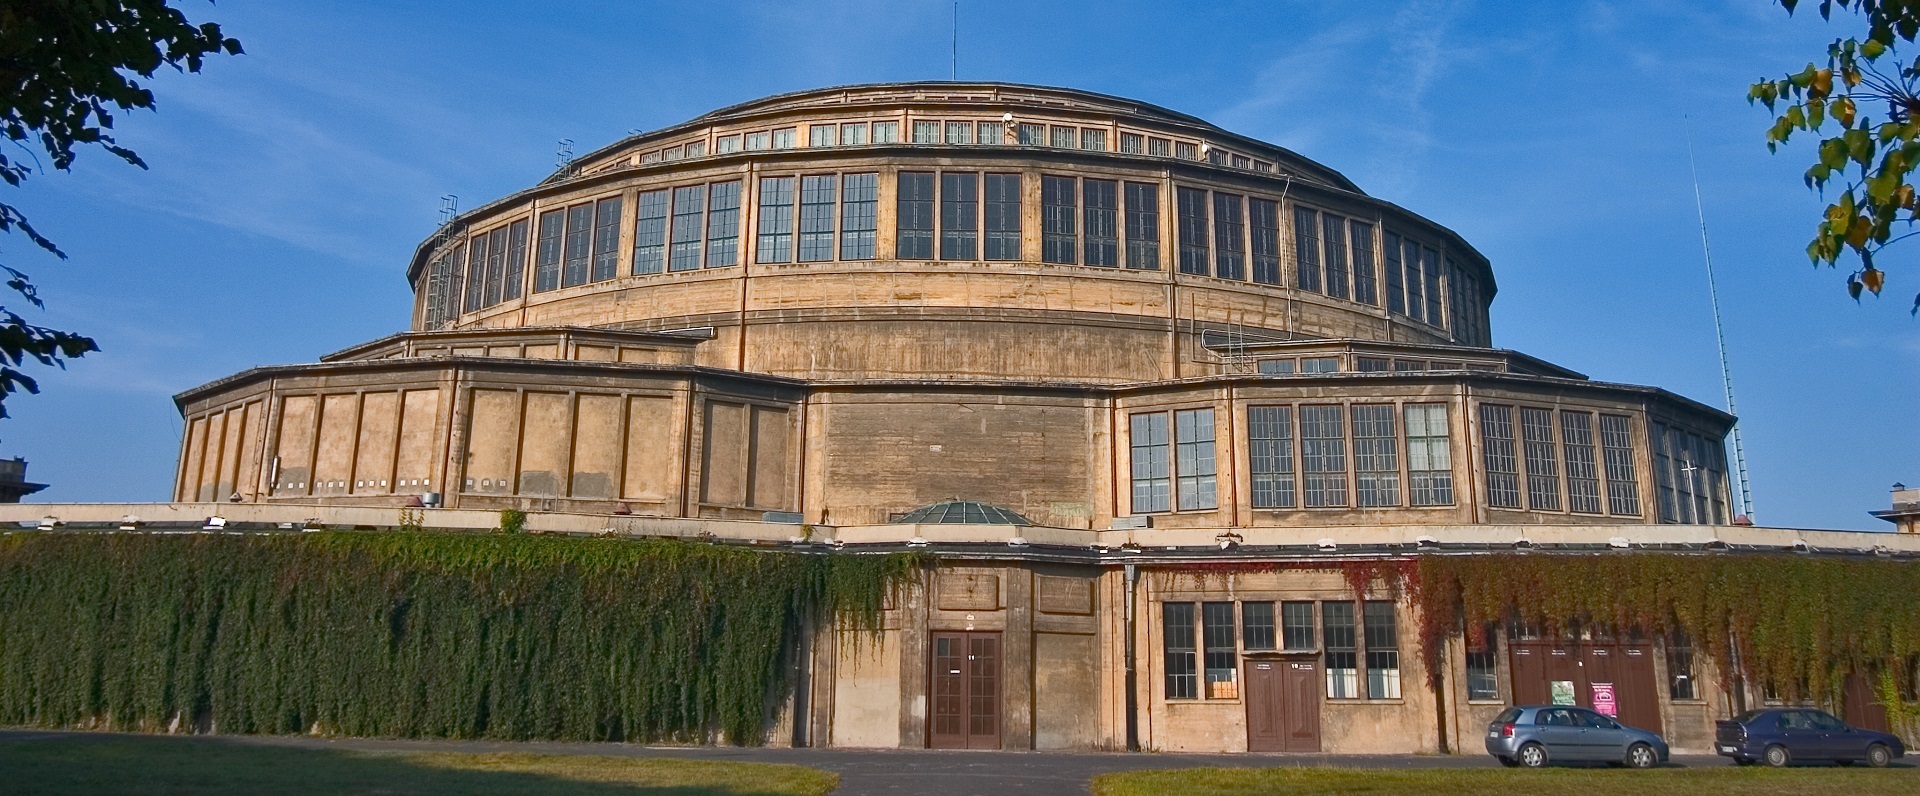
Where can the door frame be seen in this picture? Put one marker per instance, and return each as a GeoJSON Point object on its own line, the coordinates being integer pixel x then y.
{"type": "Point", "coordinates": [1284, 657]}
{"type": "Point", "coordinates": [966, 693]}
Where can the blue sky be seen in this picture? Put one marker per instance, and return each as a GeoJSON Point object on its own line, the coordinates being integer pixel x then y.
{"type": "Point", "coordinates": [289, 185]}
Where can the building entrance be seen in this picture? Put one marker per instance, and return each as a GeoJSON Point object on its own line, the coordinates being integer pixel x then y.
{"type": "Point", "coordinates": [966, 691]}
{"type": "Point", "coordinates": [1283, 704]}
{"type": "Point", "coordinates": [1608, 675]}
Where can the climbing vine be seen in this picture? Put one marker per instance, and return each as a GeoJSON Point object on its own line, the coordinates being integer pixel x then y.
{"type": "Point", "coordinates": [415, 634]}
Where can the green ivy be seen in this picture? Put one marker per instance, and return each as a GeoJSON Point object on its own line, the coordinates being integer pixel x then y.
{"type": "Point", "coordinates": [415, 634]}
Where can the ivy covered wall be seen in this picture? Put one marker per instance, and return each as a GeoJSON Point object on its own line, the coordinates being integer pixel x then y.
{"type": "Point", "coordinates": [414, 634]}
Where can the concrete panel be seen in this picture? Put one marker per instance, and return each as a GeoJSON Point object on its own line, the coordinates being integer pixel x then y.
{"type": "Point", "coordinates": [216, 444]}
{"type": "Point", "coordinates": [294, 445]}
{"type": "Point", "coordinates": [333, 454]}
{"type": "Point", "coordinates": [596, 447]}
{"type": "Point", "coordinates": [960, 591]}
{"type": "Point", "coordinates": [769, 486]}
{"type": "Point", "coordinates": [866, 693]}
{"type": "Point", "coordinates": [196, 455]}
{"type": "Point", "coordinates": [1063, 595]}
{"type": "Point", "coordinates": [723, 467]}
{"type": "Point", "coordinates": [247, 478]}
{"type": "Point", "coordinates": [495, 429]}
{"type": "Point", "coordinates": [651, 450]}
{"type": "Point", "coordinates": [1066, 697]}
{"type": "Point", "coordinates": [379, 427]}
{"type": "Point", "coordinates": [236, 434]}
{"type": "Point", "coordinates": [419, 442]}
{"type": "Point", "coordinates": [545, 438]}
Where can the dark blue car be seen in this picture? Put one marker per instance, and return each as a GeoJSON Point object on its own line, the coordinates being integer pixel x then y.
{"type": "Point", "coordinates": [1783, 736]}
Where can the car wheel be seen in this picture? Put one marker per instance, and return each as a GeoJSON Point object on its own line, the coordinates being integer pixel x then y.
{"type": "Point", "coordinates": [1777, 756]}
{"type": "Point", "coordinates": [1509, 762]}
{"type": "Point", "coordinates": [1878, 755]}
{"type": "Point", "coordinates": [1533, 755]}
{"type": "Point", "coordinates": [1641, 756]}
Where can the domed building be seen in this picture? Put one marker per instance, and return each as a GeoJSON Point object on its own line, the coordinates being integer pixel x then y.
{"type": "Point", "coordinates": [1054, 336]}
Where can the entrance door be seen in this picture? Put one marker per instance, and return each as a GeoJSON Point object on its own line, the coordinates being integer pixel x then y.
{"type": "Point", "coordinates": [966, 691]}
{"type": "Point", "coordinates": [1283, 705]}
{"type": "Point", "coordinates": [1861, 707]}
{"type": "Point", "coordinates": [1636, 689]}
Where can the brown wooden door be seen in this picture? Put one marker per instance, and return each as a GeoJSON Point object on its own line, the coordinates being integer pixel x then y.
{"type": "Point", "coordinates": [966, 691]}
{"type": "Point", "coordinates": [1529, 673]}
{"type": "Point", "coordinates": [1283, 705]}
{"type": "Point", "coordinates": [1861, 707]}
{"type": "Point", "coordinates": [1636, 688]}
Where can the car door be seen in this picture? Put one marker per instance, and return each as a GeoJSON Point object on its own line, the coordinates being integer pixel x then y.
{"type": "Point", "coordinates": [1603, 738]}
{"type": "Point", "coordinates": [1799, 736]}
{"type": "Point", "coordinates": [1837, 740]}
{"type": "Point", "coordinates": [1561, 733]}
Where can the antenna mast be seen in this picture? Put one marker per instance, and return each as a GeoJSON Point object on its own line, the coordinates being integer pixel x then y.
{"type": "Point", "coordinates": [956, 40]}
{"type": "Point", "coordinates": [1719, 331]}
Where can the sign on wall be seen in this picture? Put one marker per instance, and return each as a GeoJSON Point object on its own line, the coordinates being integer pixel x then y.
{"type": "Point", "coordinates": [1563, 692]}
{"type": "Point", "coordinates": [1603, 700]}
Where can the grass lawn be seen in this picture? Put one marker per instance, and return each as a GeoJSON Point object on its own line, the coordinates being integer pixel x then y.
{"type": "Point", "coordinates": [136, 765]}
{"type": "Point", "coordinates": [1572, 781]}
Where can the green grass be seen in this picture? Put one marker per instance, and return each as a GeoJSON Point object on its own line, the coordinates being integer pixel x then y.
{"type": "Point", "coordinates": [1573, 782]}
{"type": "Point", "coordinates": [135, 765]}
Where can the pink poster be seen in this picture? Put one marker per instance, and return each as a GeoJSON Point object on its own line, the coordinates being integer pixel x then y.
{"type": "Point", "coordinates": [1603, 699]}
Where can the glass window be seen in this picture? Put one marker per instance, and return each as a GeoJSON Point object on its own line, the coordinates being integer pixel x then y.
{"type": "Point", "coordinates": [497, 262]}
{"type": "Point", "coordinates": [1229, 242]}
{"type": "Point", "coordinates": [1242, 162]}
{"type": "Point", "coordinates": [1160, 147]}
{"type": "Point", "coordinates": [1133, 143]}
{"type": "Point", "coordinates": [723, 224]}
{"type": "Point", "coordinates": [1319, 365]}
{"type": "Point", "coordinates": [1429, 455]}
{"type": "Point", "coordinates": [1033, 134]}
{"type": "Point", "coordinates": [1265, 217]}
{"type": "Point", "coordinates": [688, 204]}
{"type": "Point", "coordinates": [1058, 219]}
{"type": "Point", "coordinates": [1409, 365]}
{"type": "Point", "coordinates": [1256, 625]}
{"type": "Point", "coordinates": [1583, 476]}
{"type": "Point", "coordinates": [926, 132]}
{"type": "Point", "coordinates": [1152, 471]}
{"type": "Point", "coordinates": [670, 153]}
{"type": "Point", "coordinates": [1270, 448]}
{"type": "Point", "coordinates": [1430, 263]}
{"type": "Point", "coordinates": [650, 157]}
{"type": "Point", "coordinates": [1093, 139]}
{"type": "Point", "coordinates": [959, 132]}
{"type": "Point", "coordinates": [1296, 625]}
{"type": "Point", "coordinates": [1335, 238]}
{"type": "Point", "coordinates": [1543, 468]}
{"type": "Point", "coordinates": [546, 267]}
{"type": "Point", "coordinates": [1222, 655]}
{"type": "Point", "coordinates": [1306, 249]}
{"type": "Point", "coordinates": [476, 279]}
{"type": "Point", "coordinates": [1680, 683]}
{"type": "Point", "coordinates": [579, 256]}
{"type": "Point", "coordinates": [915, 216]}
{"type": "Point", "coordinates": [1323, 455]}
{"type": "Point", "coordinates": [784, 138]}
{"type": "Point", "coordinates": [1002, 207]}
{"type": "Point", "coordinates": [1503, 473]}
{"type": "Point", "coordinates": [1102, 233]}
{"type": "Point", "coordinates": [1193, 230]}
{"type": "Point", "coordinates": [1410, 255]}
{"type": "Point", "coordinates": [1376, 458]}
{"type": "Point", "coordinates": [1217, 156]}
{"type": "Point", "coordinates": [1194, 463]}
{"type": "Point", "coordinates": [606, 239]}
{"type": "Point", "coordinates": [1143, 226]}
{"type": "Point", "coordinates": [821, 135]}
{"type": "Point", "coordinates": [516, 258]}
{"type": "Point", "coordinates": [1383, 651]}
{"type": "Point", "coordinates": [816, 217]}
{"type": "Point", "coordinates": [1363, 280]}
{"type": "Point", "coordinates": [1372, 364]}
{"type": "Point", "coordinates": [758, 141]}
{"type": "Point", "coordinates": [1177, 619]}
{"type": "Point", "coordinates": [696, 149]}
{"type": "Point", "coordinates": [1064, 137]}
{"type": "Point", "coordinates": [992, 133]}
{"type": "Point", "coordinates": [775, 241]}
{"type": "Point", "coordinates": [726, 143]}
{"type": "Point", "coordinates": [1483, 681]}
{"type": "Point", "coordinates": [1396, 292]}
{"type": "Point", "coordinates": [959, 215]}
{"type": "Point", "coordinates": [1186, 150]}
{"type": "Point", "coordinates": [650, 233]}
{"type": "Point", "coordinates": [886, 132]}
{"type": "Point", "coordinates": [1276, 366]}
{"type": "Point", "coordinates": [859, 203]}
{"type": "Point", "coordinates": [1343, 660]}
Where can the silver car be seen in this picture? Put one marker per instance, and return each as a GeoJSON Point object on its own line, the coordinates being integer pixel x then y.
{"type": "Point", "coordinates": [1535, 735]}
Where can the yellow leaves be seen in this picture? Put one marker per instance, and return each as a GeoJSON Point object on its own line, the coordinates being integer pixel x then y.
{"type": "Point", "coordinates": [1903, 196]}
{"type": "Point", "coordinates": [1859, 231]}
{"type": "Point", "coordinates": [1842, 110]}
{"type": "Point", "coordinates": [1873, 278]}
{"type": "Point", "coordinates": [1820, 85]}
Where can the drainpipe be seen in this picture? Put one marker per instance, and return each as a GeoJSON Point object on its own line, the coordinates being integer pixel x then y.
{"type": "Point", "coordinates": [1133, 707]}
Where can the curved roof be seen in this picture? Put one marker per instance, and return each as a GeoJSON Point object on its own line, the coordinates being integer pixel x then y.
{"type": "Point", "coordinates": [961, 512]}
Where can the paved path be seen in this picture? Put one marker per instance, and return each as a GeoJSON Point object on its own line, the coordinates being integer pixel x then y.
{"type": "Point", "coordinates": [885, 772]}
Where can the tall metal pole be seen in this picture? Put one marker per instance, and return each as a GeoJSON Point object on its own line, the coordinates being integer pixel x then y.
{"type": "Point", "coordinates": [1719, 330]}
{"type": "Point", "coordinates": [956, 40]}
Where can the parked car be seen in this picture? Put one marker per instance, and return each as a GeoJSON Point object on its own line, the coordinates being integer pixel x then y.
{"type": "Point", "coordinates": [1533, 736]}
{"type": "Point", "coordinates": [1782, 736]}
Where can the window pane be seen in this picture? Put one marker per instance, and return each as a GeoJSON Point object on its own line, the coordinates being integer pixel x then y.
{"type": "Point", "coordinates": [1306, 249]}
{"type": "Point", "coordinates": [546, 269]}
{"type": "Point", "coordinates": [1429, 455]}
{"type": "Point", "coordinates": [859, 202]}
{"type": "Point", "coordinates": [1193, 230]}
{"type": "Point", "coordinates": [1363, 281]}
{"type": "Point", "coordinates": [1296, 625]}
{"type": "Point", "coordinates": [1543, 467]}
{"type": "Point", "coordinates": [1177, 619]}
{"type": "Point", "coordinates": [915, 216]}
{"type": "Point", "coordinates": [1093, 139]}
{"type": "Point", "coordinates": [1616, 444]}
{"type": "Point", "coordinates": [688, 204]}
{"type": "Point", "coordinates": [1064, 137]}
{"type": "Point", "coordinates": [992, 133]}
{"type": "Point", "coordinates": [1503, 473]}
{"type": "Point", "coordinates": [758, 141]}
{"type": "Point", "coordinates": [1323, 455]}
{"type": "Point", "coordinates": [1319, 365]}
{"type": "Point", "coordinates": [816, 218]}
{"type": "Point", "coordinates": [1256, 625]}
{"type": "Point", "coordinates": [886, 132]}
{"type": "Point", "coordinates": [1383, 651]}
{"type": "Point", "coordinates": [1270, 449]}
{"type": "Point", "coordinates": [775, 241]}
{"type": "Point", "coordinates": [1102, 233]}
{"type": "Point", "coordinates": [820, 135]}
{"type": "Point", "coordinates": [1033, 134]}
{"type": "Point", "coordinates": [1276, 366]}
{"type": "Point", "coordinates": [723, 224]}
{"type": "Point", "coordinates": [1229, 244]}
{"type": "Point", "coordinates": [696, 149]}
{"type": "Point", "coordinates": [1143, 226]}
{"type": "Point", "coordinates": [1430, 264]}
{"type": "Point", "coordinates": [1152, 472]}
{"type": "Point", "coordinates": [1410, 256]}
{"type": "Point", "coordinates": [606, 239]}
{"type": "Point", "coordinates": [1396, 292]}
{"type": "Point", "coordinates": [579, 256]}
{"type": "Point", "coordinates": [1186, 150]}
{"type": "Point", "coordinates": [497, 261]}
{"type": "Point", "coordinates": [1159, 147]}
{"type": "Point", "coordinates": [925, 132]}
{"type": "Point", "coordinates": [1373, 364]}
{"type": "Point", "coordinates": [1265, 218]}
{"type": "Point", "coordinates": [1222, 656]}
{"type": "Point", "coordinates": [1002, 210]}
{"type": "Point", "coordinates": [1334, 229]}
{"type": "Point", "coordinates": [475, 283]}
{"type": "Point", "coordinates": [1058, 219]}
{"type": "Point", "coordinates": [783, 138]}
{"type": "Point", "coordinates": [1194, 463]}
{"type": "Point", "coordinates": [1680, 683]}
{"type": "Point", "coordinates": [726, 144]}
{"type": "Point", "coordinates": [1133, 143]}
{"type": "Point", "coordinates": [1376, 459]}
{"type": "Point", "coordinates": [516, 258]}
{"type": "Point", "coordinates": [959, 214]}
{"type": "Point", "coordinates": [1483, 681]}
{"type": "Point", "coordinates": [853, 134]}
{"type": "Point", "coordinates": [959, 132]}
{"type": "Point", "coordinates": [1343, 664]}
{"type": "Point", "coordinates": [1583, 476]}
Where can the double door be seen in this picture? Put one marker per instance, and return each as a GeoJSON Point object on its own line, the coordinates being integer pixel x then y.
{"type": "Point", "coordinates": [1283, 704]}
{"type": "Point", "coordinates": [1585, 672]}
{"type": "Point", "coordinates": [966, 691]}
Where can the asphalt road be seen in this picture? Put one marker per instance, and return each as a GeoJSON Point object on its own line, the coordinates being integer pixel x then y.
{"type": "Point", "coordinates": [890, 772]}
